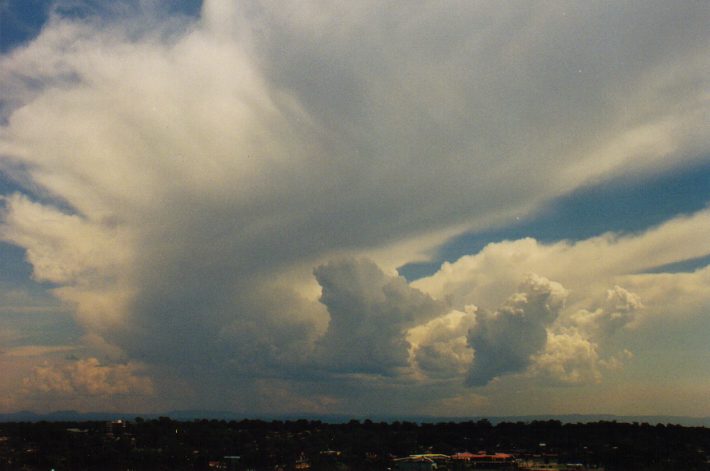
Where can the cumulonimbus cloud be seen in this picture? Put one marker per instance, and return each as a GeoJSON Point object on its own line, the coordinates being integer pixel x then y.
{"type": "Point", "coordinates": [370, 314]}
{"type": "Point", "coordinates": [505, 340]}
{"type": "Point", "coordinates": [182, 179]}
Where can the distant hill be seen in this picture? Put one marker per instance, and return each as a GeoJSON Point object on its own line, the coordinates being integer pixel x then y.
{"type": "Point", "coordinates": [186, 415]}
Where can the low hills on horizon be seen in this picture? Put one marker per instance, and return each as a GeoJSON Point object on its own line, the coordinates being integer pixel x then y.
{"type": "Point", "coordinates": [189, 415]}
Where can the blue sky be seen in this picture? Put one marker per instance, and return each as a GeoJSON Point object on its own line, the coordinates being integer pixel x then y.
{"type": "Point", "coordinates": [623, 205]}
{"type": "Point", "coordinates": [455, 209]}
{"type": "Point", "coordinates": [22, 20]}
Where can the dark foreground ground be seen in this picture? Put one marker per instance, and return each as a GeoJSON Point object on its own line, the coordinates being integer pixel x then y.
{"type": "Point", "coordinates": [253, 444]}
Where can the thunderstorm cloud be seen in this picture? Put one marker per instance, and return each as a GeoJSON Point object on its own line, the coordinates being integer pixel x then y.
{"type": "Point", "coordinates": [219, 203]}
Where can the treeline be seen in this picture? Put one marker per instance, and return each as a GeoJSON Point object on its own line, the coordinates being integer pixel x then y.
{"type": "Point", "coordinates": [203, 444]}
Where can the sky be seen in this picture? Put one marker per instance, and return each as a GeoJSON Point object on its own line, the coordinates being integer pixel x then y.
{"type": "Point", "coordinates": [355, 208]}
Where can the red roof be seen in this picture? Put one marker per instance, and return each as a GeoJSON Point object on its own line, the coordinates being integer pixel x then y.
{"type": "Point", "coordinates": [481, 456]}
{"type": "Point", "coordinates": [463, 456]}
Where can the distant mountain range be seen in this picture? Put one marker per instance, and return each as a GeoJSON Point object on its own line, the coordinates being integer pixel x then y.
{"type": "Point", "coordinates": [74, 416]}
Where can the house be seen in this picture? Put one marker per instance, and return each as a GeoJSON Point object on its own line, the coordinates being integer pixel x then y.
{"type": "Point", "coordinates": [483, 461]}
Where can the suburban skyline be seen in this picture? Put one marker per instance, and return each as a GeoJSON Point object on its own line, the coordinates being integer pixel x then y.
{"type": "Point", "coordinates": [431, 208]}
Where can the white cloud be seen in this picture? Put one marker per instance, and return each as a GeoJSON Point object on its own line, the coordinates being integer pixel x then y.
{"type": "Point", "coordinates": [370, 314]}
{"type": "Point", "coordinates": [621, 308]}
{"type": "Point", "coordinates": [90, 262]}
{"type": "Point", "coordinates": [568, 358]}
{"type": "Point", "coordinates": [605, 294]}
{"type": "Point", "coordinates": [505, 340]}
{"type": "Point", "coordinates": [63, 248]}
{"type": "Point", "coordinates": [440, 348]}
{"type": "Point", "coordinates": [588, 268]}
{"type": "Point", "coordinates": [88, 377]}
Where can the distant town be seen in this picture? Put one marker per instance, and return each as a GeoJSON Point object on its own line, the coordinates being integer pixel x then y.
{"type": "Point", "coordinates": [202, 444]}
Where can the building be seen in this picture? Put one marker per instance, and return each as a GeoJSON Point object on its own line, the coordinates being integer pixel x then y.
{"type": "Point", "coordinates": [483, 461]}
{"type": "Point", "coordinates": [426, 462]}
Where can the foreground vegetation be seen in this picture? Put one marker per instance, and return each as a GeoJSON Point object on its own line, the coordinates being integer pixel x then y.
{"type": "Point", "coordinates": [203, 444]}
